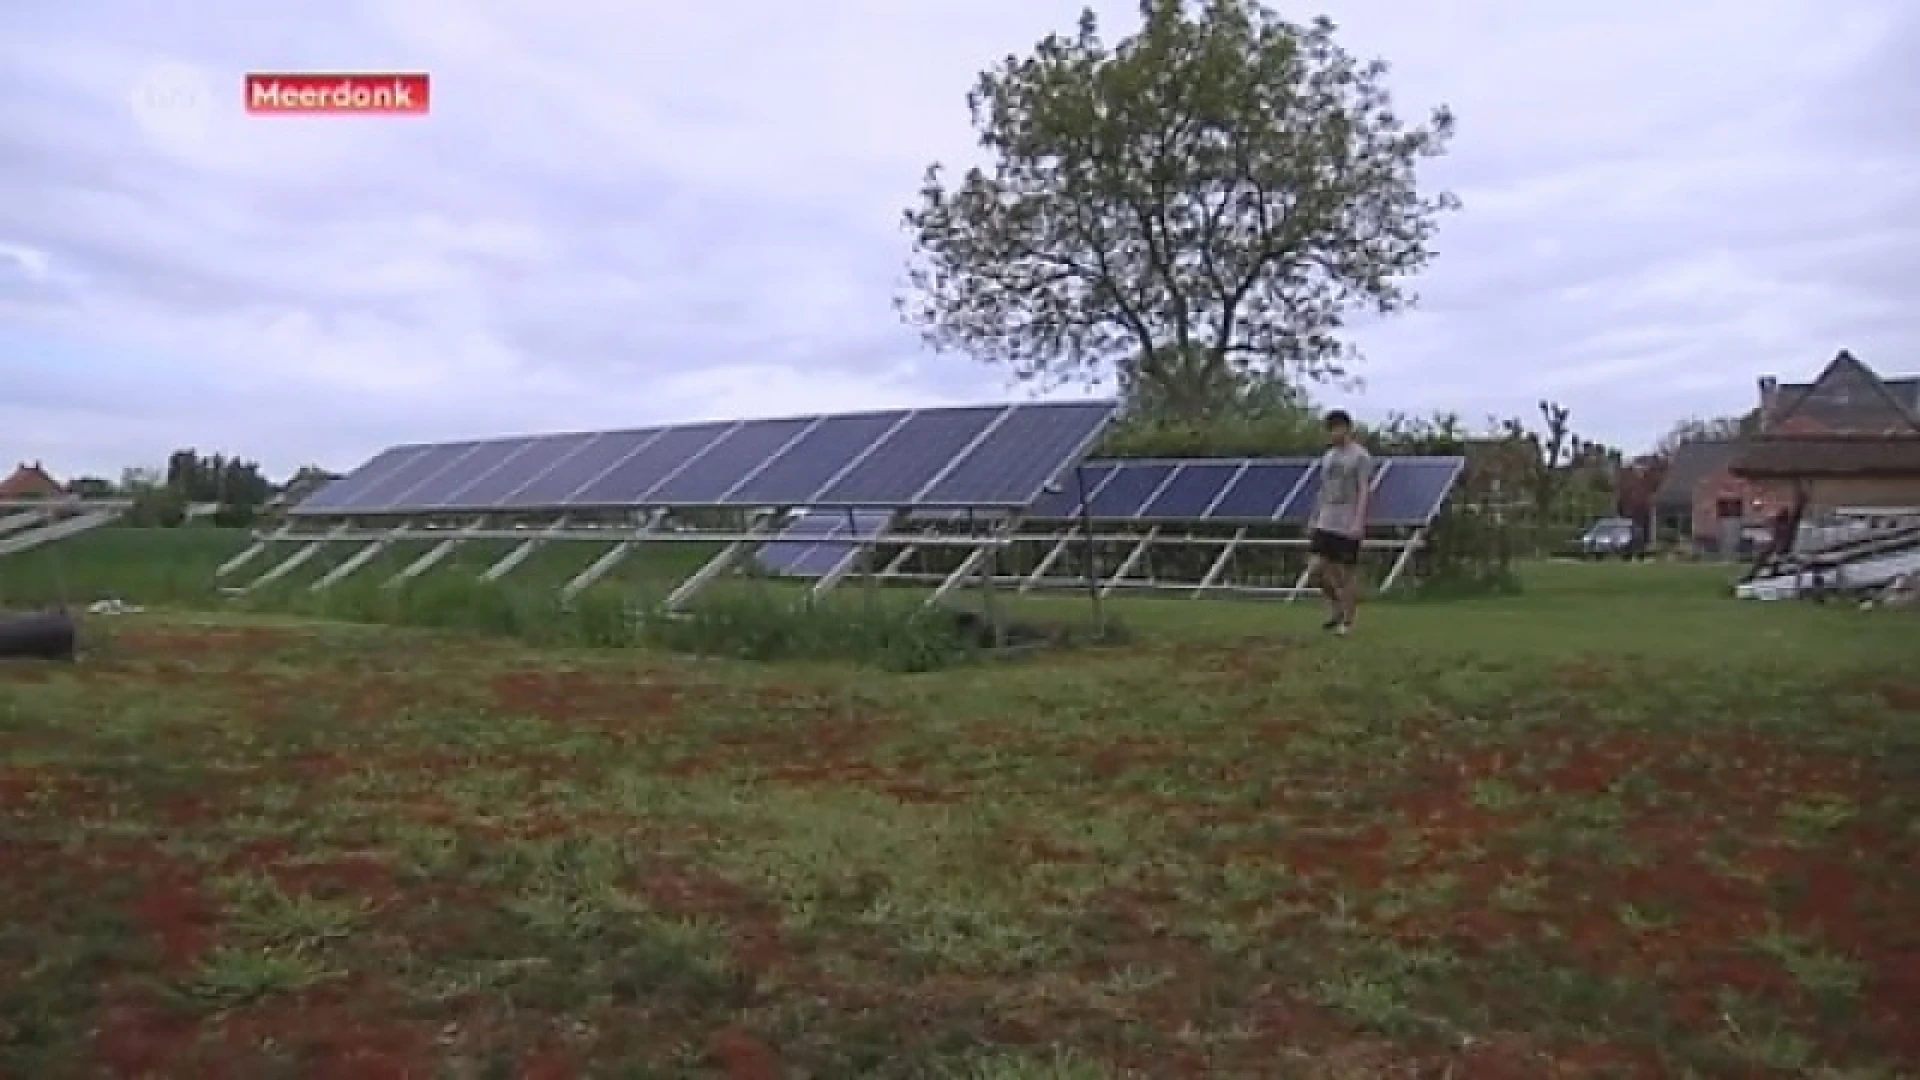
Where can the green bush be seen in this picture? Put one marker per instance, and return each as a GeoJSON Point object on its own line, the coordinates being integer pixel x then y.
{"type": "Point", "coordinates": [881, 630]}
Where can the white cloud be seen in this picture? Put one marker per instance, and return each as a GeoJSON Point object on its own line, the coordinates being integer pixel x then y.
{"type": "Point", "coordinates": [622, 213]}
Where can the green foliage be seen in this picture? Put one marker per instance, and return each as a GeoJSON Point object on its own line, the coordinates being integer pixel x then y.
{"type": "Point", "coordinates": [885, 632]}
{"type": "Point", "coordinates": [138, 565]}
{"type": "Point", "coordinates": [1205, 201]}
{"type": "Point", "coordinates": [235, 516]}
{"type": "Point", "coordinates": [892, 633]}
{"type": "Point", "coordinates": [157, 507]}
{"type": "Point", "coordinates": [90, 487]}
{"type": "Point", "coordinates": [1281, 432]}
{"type": "Point", "coordinates": [1469, 553]}
{"type": "Point", "coordinates": [216, 478]}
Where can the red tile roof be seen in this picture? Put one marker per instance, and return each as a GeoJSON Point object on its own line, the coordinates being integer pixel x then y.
{"type": "Point", "coordinates": [29, 482]}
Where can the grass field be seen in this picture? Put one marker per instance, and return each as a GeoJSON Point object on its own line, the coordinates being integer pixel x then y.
{"type": "Point", "coordinates": [1619, 825]}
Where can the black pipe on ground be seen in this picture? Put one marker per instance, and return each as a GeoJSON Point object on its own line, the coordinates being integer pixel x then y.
{"type": "Point", "coordinates": [42, 635]}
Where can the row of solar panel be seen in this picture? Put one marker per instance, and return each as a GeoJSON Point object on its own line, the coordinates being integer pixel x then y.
{"type": "Point", "coordinates": [817, 545]}
{"type": "Point", "coordinates": [996, 455]}
{"type": "Point", "coordinates": [1407, 491]}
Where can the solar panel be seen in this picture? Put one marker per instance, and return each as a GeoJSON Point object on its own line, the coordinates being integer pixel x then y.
{"type": "Point", "coordinates": [736, 455]}
{"type": "Point", "coordinates": [586, 464]}
{"type": "Point", "coordinates": [814, 460]}
{"type": "Point", "coordinates": [379, 495]}
{"type": "Point", "coordinates": [1062, 500]}
{"type": "Point", "coordinates": [1029, 448]}
{"type": "Point", "coordinates": [537, 457]}
{"type": "Point", "coordinates": [1191, 491]}
{"type": "Point", "coordinates": [913, 456]}
{"type": "Point", "coordinates": [1411, 492]}
{"type": "Point", "coordinates": [1299, 508]}
{"type": "Point", "coordinates": [480, 458]}
{"type": "Point", "coordinates": [976, 457]}
{"type": "Point", "coordinates": [819, 544]}
{"type": "Point", "coordinates": [1259, 491]}
{"type": "Point", "coordinates": [629, 480]}
{"type": "Point", "coordinates": [342, 491]}
{"type": "Point", "coordinates": [1127, 493]}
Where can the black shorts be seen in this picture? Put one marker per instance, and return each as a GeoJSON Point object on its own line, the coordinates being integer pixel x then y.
{"type": "Point", "coordinates": [1334, 547]}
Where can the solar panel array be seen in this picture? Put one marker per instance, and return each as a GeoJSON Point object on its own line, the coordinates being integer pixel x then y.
{"type": "Point", "coordinates": [1408, 491]}
{"type": "Point", "coordinates": [817, 545]}
{"type": "Point", "coordinates": [979, 456]}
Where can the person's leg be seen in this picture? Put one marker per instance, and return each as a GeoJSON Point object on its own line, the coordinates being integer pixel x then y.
{"type": "Point", "coordinates": [1349, 579]}
{"type": "Point", "coordinates": [1324, 573]}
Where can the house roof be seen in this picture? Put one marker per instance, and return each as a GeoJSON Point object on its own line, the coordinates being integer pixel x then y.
{"type": "Point", "coordinates": [1692, 462]}
{"type": "Point", "coordinates": [1848, 396]}
{"type": "Point", "coordinates": [1830, 455]}
{"type": "Point", "coordinates": [29, 482]}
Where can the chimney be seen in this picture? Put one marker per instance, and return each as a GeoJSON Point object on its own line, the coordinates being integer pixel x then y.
{"type": "Point", "coordinates": [1769, 395]}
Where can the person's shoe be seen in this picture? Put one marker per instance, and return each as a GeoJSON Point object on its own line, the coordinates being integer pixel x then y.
{"type": "Point", "coordinates": [1333, 624]}
{"type": "Point", "coordinates": [1342, 629]}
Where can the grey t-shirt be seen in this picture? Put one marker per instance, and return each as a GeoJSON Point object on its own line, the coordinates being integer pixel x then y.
{"type": "Point", "coordinates": [1345, 473]}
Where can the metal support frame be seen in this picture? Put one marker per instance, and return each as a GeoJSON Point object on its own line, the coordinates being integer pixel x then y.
{"type": "Point", "coordinates": [726, 559]}
{"type": "Point", "coordinates": [56, 527]}
{"type": "Point", "coordinates": [1132, 560]}
{"type": "Point", "coordinates": [300, 557]}
{"type": "Point", "coordinates": [606, 562]}
{"type": "Point", "coordinates": [825, 582]}
{"type": "Point", "coordinates": [1414, 543]}
{"type": "Point", "coordinates": [25, 519]}
{"type": "Point", "coordinates": [253, 551]}
{"type": "Point", "coordinates": [1220, 564]}
{"type": "Point", "coordinates": [354, 562]}
{"type": "Point", "coordinates": [512, 559]}
{"type": "Point", "coordinates": [899, 561]}
{"type": "Point", "coordinates": [1052, 556]}
{"type": "Point", "coordinates": [433, 556]}
{"type": "Point", "coordinates": [968, 567]}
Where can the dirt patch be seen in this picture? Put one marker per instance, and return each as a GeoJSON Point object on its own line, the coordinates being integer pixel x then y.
{"type": "Point", "coordinates": [742, 1055]}
{"type": "Point", "coordinates": [337, 1032]}
{"type": "Point", "coordinates": [175, 914]}
{"type": "Point", "coordinates": [203, 642]}
{"type": "Point", "coordinates": [572, 697]}
{"type": "Point", "coordinates": [1901, 694]}
{"type": "Point", "coordinates": [36, 789]}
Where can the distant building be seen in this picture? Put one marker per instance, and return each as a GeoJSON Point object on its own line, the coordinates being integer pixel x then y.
{"type": "Point", "coordinates": [30, 482]}
{"type": "Point", "coordinates": [1848, 440]}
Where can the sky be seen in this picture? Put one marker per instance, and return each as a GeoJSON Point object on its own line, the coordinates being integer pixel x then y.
{"type": "Point", "coordinates": [621, 213]}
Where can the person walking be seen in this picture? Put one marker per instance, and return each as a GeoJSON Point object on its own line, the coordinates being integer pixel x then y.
{"type": "Point", "coordinates": [1339, 521]}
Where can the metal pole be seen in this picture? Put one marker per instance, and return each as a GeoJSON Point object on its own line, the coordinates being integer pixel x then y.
{"type": "Point", "coordinates": [1086, 527]}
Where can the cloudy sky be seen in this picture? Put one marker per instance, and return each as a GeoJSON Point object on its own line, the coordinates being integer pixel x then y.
{"type": "Point", "coordinates": [621, 212]}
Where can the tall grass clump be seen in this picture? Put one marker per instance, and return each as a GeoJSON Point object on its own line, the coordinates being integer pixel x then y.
{"type": "Point", "coordinates": [761, 625]}
{"type": "Point", "coordinates": [891, 633]}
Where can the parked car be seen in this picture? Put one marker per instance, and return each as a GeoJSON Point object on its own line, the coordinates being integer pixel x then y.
{"type": "Point", "coordinates": [1614, 537]}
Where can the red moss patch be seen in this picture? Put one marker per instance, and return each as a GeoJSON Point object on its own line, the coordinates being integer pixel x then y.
{"type": "Point", "coordinates": [740, 1055]}
{"type": "Point", "coordinates": [562, 697]}
{"type": "Point", "coordinates": [176, 915]}
{"type": "Point", "coordinates": [336, 1032]}
{"type": "Point", "coordinates": [25, 788]}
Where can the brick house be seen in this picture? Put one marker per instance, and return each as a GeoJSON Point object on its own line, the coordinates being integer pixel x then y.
{"type": "Point", "coordinates": [1850, 437]}
{"type": "Point", "coordinates": [1848, 440]}
{"type": "Point", "coordinates": [30, 482]}
{"type": "Point", "coordinates": [1699, 495]}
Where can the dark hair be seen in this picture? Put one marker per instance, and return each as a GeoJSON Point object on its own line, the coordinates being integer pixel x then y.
{"type": "Point", "coordinates": [1338, 418]}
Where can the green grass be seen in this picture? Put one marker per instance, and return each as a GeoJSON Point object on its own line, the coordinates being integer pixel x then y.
{"type": "Point", "coordinates": [1618, 825]}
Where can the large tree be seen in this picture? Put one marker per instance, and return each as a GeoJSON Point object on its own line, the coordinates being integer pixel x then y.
{"type": "Point", "coordinates": [1202, 205]}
